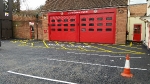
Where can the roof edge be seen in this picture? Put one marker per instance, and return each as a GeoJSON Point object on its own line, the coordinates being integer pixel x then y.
{"type": "Point", "coordinates": [88, 9]}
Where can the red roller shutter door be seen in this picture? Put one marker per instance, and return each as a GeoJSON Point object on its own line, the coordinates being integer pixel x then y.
{"type": "Point", "coordinates": [98, 28]}
{"type": "Point", "coordinates": [63, 28]}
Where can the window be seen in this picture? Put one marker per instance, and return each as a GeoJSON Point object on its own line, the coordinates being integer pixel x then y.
{"type": "Point", "coordinates": [72, 20]}
{"type": "Point", "coordinates": [53, 29]}
{"type": "Point", "coordinates": [72, 29]}
{"type": "Point", "coordinates": [65, 24]}
{"type": "Point", "coordinates": [65, 20]}
{"type": "Point", "coordinates": [6, 4]}
{"type": "Point", "coordinates": [58, 24]}
{"type": "Point", "coordinates": [72, 24]}
{"type": "Point", "coordinates": [108, 29]}
{"type": "Point", "coordinates": [59, 20]}
{"type": "Point", "coordinates": [83, 29]}
{"type": "Point", "coordinates": [99, 24]}
{"type": "Point", "coordinates": [100, 18]}
{"type": "Point", "coordinates": [91, 19]}
{"type": "Point", "coordinates": [99, 29]}
{"type": "Point", "coordinates": [91, 29]}
{"type": "Point", "coordinates": [83, 19]}
{"type": "Point", "coordinates": [137, 29]}
{"type": "Point", "coordinates": [59, 29]}
{"type": "Point", "coordinates": [52, 24]}
{"type": "Point", "coordinates": [53, 20]}
{"type": "Point", "coordinates": [91, 24]}
{"type": "Point", "coordinates": [83, 24]}
{"type": "Point", "coordinates": [108, 24]}
{"type": "Point", "coordinates": [65, 29]}
{"type": "Point", "coordinates": [109, 18]}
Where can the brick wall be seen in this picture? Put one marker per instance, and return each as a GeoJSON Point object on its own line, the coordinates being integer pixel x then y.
{"type": "Point", "coordinates": [45, 27]}
{"type": "Point", "coordinates": [21, 28]}
{"type": "Point", "coordinates": [121, 25]}
{"type": "Point", "coordinates": [138, 10]}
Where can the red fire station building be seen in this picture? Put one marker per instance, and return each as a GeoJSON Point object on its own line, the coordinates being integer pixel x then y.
{"type": "Point", "coordinates": [98, 21]}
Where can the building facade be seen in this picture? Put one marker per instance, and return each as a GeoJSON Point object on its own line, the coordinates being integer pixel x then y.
{"type": "Point", "coordinates": [146, 19]}
{"type": "Point", "coordinates": [79, 21]}
{"type": "Point", "coordinates": [93, 21]}
{"type": "Point", "coordinates": [136, 27]}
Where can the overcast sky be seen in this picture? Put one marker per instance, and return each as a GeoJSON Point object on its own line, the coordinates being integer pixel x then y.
{"type": "Point", "coordinates": [137, 1]}
{"type": "Point", "coordinates": [33, 4]}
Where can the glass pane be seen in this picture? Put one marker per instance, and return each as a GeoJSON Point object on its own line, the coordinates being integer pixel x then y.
{"type": "Point", "coordinates": [53, 20]}
{"type": "Point", "coordinates": [72, 24]}
{"type": "Point", "coordinates": [83, 19]}
{"type": "Point", "coordinates": [65, 24]}
{"type": "Point", "coordinates": [65, 29]}
{"type": "Point", "coordinates": [72, 20]}
{"type": "Point", "coordinates": [53, 29]}
{"type": "Point", "coordinates": [6, 4]}
{"type": "Point", "coordinates": [72, 29]}
{"type": "Point", "coordinates": [91, 24]}
{"type": "Point", "coordinates": [100, 18]}
{"type": "Point", "coordinates": [99, 29]}
{"type": "Point", "coordinates": [91, 29]}
{"type": "Point", "coordinates": [65, 20]}
{"type": "Point", "coordinates": [108, 24]}
{"type": "Point", "coordinates": [100, 24]}
{"type": "Point", "coordinates": [58, 24]}
{"type": "Point", "coordinates": [59, 20]}
{"type": "Point", "coordinates": [108, 29]}
{"type": "Point", "coordinates": [59, 29]}
{"type": "Point", "coordinates": [52, 24]}
{"type": "Point", "coordinates": [91, 19]}
{"type": "Point", "coordinates": [83, 24]}
{"type": "Point", "coordinates": [83, 29]}
{"type": "Point", "coordinates": [109, 18]}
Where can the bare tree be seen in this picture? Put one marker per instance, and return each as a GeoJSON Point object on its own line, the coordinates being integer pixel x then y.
{"type": "Point", "coordinates": [16, 5]}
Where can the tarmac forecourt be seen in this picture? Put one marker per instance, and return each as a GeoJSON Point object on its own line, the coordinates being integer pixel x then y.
{"type": "Point", "coordinates": [53, 62]}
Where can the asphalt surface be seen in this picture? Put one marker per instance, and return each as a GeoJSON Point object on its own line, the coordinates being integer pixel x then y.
{"type": "Point", "coordinates": [45, 62]}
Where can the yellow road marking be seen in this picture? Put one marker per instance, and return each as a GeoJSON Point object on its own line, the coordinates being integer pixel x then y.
{"type": "Point", "coordinates": [45, 44]}
{"type": "Point", "coordinates": [122, 49]}
{"type": "Point", "coordinates": [24, 43]}
{"type": "Point", "coordinates": [71, 44]}
{"type": "Point", "coordinates": [98, 48]}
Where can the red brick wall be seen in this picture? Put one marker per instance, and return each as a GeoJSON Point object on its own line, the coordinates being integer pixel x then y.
{"type": "Point", "coordinates": [21, 29]}
{"type": "Point", "coordinates": [45, 27]}
{"type": "Point", "coordinates": [121, 25]}
{"type": "Point", "coordinates": [138, 10]}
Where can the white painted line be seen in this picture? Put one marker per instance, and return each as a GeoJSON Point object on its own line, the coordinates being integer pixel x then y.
{"type": "Point", "coordinates": [91, 64]}
{"type": "Point", "coordinates": [117, 56]}
{"type": "Point", "coordinates": [94, 54]}
{"type": "Point", "coordinates": [103, 55]}
{"type": "Point", "coordinates": [70, 52]}
{"type": "Point", "coordinates": [82, 53]}
{"type": "Point", "coordinates": [40, 77]}
{"type": "Point", "coordinates": [68, 45]}
{"type": "Point", "coordinates": [135, 57]}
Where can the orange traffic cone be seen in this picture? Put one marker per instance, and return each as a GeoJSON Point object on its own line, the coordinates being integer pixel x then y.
{"type": "Point", "coordinates": [126, 72]}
